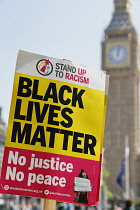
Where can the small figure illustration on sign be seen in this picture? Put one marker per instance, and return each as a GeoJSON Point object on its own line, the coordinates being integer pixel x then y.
{"type": "Point", "coordinates": [43, 68]}
{"type": "Point", "coordinates": [82, 186]}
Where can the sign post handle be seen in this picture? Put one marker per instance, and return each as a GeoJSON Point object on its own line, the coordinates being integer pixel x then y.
{"type": "Point", "coordinates": [49, 204]}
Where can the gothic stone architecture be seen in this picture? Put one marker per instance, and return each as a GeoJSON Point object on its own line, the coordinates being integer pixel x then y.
{"type": "Point", "coordinates": [120, 60]}
{"type": "Point", "coordinates": [2, 137]}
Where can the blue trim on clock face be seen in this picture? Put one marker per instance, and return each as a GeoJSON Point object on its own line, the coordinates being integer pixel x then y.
{"type": "Point", "coordinates": [117, 54]}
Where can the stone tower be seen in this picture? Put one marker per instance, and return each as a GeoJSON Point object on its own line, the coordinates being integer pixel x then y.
{"type": "Point", "coordinates": [120, 60]}
{"type": "Point", "coordinates": [2, 136]}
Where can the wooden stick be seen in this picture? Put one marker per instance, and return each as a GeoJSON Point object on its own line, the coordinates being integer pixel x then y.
{"type": "Point", "coordinates": [49, 204]}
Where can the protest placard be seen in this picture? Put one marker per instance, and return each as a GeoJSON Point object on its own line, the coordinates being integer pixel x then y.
{"type": "Point", "coordinates": [55, 129]}
{"type": "Point", "coordinates": [82, 185]}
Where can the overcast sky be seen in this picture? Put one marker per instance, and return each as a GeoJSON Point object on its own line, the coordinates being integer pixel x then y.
{"type": "Point", "coordinates": [71, 29]}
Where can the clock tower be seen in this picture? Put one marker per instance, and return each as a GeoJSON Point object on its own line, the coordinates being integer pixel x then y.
{"type": "Point", "coordinates": [120, 60]}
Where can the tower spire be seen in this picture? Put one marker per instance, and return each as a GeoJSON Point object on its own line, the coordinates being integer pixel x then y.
{"type": "Point", "coordinates": [122, 6]}
{"type": "Point", "coordinates": [121, 19]}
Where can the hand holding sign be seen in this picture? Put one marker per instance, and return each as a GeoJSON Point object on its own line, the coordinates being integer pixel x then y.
{"type": "Point", "coordinates": [82, 185]}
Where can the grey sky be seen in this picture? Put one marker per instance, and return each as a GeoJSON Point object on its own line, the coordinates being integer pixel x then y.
{"type": "Point", "coordinates": [71, 29]}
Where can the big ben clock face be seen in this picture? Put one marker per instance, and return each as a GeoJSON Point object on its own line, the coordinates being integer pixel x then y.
{"type": "Point", "coordinates": [117, 54]}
